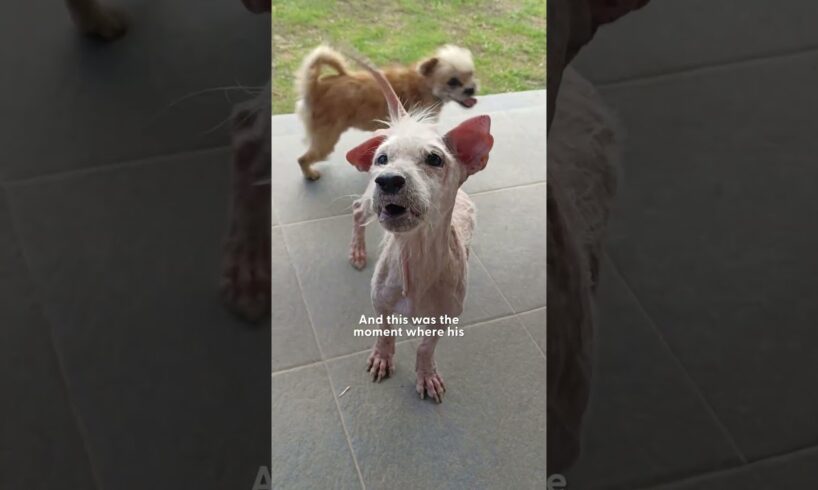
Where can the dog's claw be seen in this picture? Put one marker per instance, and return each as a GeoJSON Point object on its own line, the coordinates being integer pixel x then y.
{"type": "Point", "coordinates": [380, 366]}
{"type": "Point", "coordinates": [357, 257]}
{"type": "Point", "coordinates": [432, 385]}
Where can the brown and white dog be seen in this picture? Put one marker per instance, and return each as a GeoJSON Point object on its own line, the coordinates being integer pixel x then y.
{"type": "Point", "coordinates": [330, 105]}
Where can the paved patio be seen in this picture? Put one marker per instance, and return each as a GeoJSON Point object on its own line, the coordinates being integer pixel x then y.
{"type": "Point", "coordinates": [490, 430]}
{"type": "Point", "coordinates": [707, 361]}
{"type": "Point", "coordinates": [119, 367]}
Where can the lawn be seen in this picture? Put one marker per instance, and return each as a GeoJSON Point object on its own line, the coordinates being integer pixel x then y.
{"type": "Point", "coordinates": [506, 37]}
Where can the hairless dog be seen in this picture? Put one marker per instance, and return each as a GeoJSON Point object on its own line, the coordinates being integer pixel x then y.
{"type": "Point", "coordinates": [414, 191]}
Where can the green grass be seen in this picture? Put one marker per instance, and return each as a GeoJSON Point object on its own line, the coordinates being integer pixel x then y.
{"type": "Point", "coordinates": [506, 37]}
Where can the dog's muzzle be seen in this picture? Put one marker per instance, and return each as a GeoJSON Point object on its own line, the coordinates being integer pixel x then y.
{"type": "Point", "coordinates": [467, 103]}
{"type": "Point", "coordinates": [392, 204]}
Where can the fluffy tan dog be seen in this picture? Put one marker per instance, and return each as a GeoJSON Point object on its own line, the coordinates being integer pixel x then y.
{"type": "Point", "coordinates": [330, 105]}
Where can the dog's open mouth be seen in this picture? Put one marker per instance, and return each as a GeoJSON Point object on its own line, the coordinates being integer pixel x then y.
{"type": "Point", "coordinates": [391, 211]}
{"type": "Point", "coordinates": [467, 103]}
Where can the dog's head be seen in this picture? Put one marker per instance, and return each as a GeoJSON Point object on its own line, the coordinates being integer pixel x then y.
{"type": "Point", "coordinates": [451, 75]}
{"type": "Point", "coordinates": [416, 172]}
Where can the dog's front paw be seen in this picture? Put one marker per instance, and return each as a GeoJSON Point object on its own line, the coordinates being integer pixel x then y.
{"type": "Point", "coordinates": [357, 255]}
{"type": "Point", "coordinates": [245, 285]}
{"type": "Point", "coordinates": [107, 23]}
{"type": "Point", "coordinates": [312, 175]}
{"type": "Point", "coordinates": [380, 364]}
{"type": "Point", "coordinates": [430, 383]}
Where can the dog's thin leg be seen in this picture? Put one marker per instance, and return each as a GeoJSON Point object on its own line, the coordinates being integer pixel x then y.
{"type": "Point", "coordinates": [305, 161]}
{"type": "Point", "coordinates": [246, 269]}
{"type": "Point", "coordinates": [321, 145]}
{"type": "Point", "coordinates": [380, 363]}
{"type": "Point", "coordinates": [96, 19]}
{"type": "Point", "coordinates": [428, 380]}
{"type": "Point", "coordinates": [357, 248]}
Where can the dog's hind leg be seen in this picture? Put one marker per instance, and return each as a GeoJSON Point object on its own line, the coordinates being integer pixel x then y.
{"type": "Point", "coordinates": [357, 248]}
{"type": "Point", "coordinates": [97, 19]}
{"type": "Point", "coordinates": [381, 363]}
{"type": "Point", "coordinates": [322, 142]}
{"type": "Point", "coordinates": [429, 381]}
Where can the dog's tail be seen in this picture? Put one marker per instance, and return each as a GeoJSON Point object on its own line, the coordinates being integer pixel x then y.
{"type": "Point", "coordinates": [396, 109]}
{"type": "Point", "coordinates": [310, 70]}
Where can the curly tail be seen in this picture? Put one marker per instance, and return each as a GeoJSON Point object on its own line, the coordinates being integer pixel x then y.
{"type": "Point", "coordinates": [307, 75]}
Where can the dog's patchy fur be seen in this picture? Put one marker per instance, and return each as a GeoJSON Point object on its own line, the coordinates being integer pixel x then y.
{"type": "Point", "coordinates": [414, 191]}
{"type": "Point", "coordinates": [330, 105]}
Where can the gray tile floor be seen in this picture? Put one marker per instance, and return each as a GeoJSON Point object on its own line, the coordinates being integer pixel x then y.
{"type": "Point", "coordinates": [490, 430]}
{"type": "Point", "coordinates": [119, 367]}
{"type": "Point", "coordinates": [707, 356]}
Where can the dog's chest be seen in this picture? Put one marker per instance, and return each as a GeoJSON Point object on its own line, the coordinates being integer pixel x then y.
{"type": "Point", "coordinates": [436, 287]}
{"type": "Point", "coordinates": [445, 297]}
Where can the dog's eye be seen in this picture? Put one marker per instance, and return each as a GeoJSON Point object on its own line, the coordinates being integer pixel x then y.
{"type": "Point", "coordinates": [454, 82]}
{"type": "Point", "coordinates": [382, 159]}
{"type": "Point", "coordinates": [434, 160]}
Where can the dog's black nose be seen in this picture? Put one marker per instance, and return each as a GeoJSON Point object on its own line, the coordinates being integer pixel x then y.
{"type": "Point", "coordinates": [390, 183]}
{"type": "Point", "coordinates": [469, 91]}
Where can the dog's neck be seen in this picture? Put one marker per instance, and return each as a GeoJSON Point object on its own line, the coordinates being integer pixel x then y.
{"type": "Point", "coordinates": [424, 253]}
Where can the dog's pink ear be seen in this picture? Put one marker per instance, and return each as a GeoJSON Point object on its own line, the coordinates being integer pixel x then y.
{"type": "Point", "coordinates": [471, 142]}
{"type": "Point", "coordinates": [361, 156]}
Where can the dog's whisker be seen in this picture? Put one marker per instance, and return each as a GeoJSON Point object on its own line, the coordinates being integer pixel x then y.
{"type": "Point", "coordinates": [353, 197]}
{"type": "Point", "coordinates": [205, 91]}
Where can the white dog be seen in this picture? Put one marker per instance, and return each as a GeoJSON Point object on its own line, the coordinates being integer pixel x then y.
{"type": "Point", "coordinates": [414, 191]}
